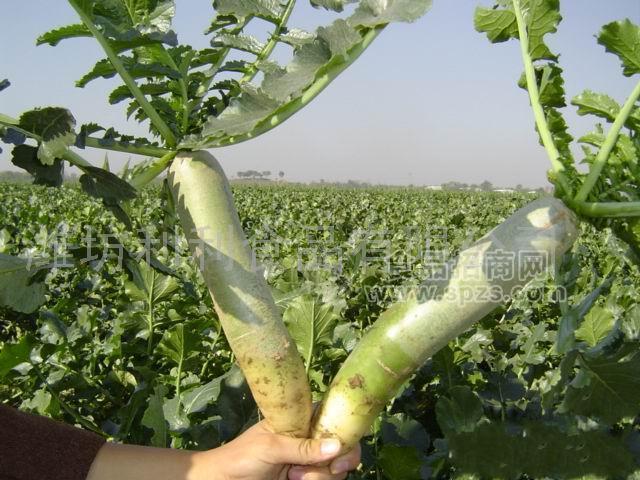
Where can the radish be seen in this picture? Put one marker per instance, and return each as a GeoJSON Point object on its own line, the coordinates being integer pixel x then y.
{"type": "Point", "coordinates": [411, 331]}
{"type": "Point", "coordinates": [251, 321]}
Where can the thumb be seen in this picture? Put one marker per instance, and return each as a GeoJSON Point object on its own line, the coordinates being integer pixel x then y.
{"type": "Point", "coordinates": [304, 451]}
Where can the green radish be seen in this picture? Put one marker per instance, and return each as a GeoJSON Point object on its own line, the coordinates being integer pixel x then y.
{"type": "Point", "coordinates": [412, 330]}
{"type": "Point", "coordinates": [250, 319]}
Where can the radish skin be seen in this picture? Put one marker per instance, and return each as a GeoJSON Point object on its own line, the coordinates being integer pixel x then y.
{"type": "Point", "coordinates": [251, 321]}
{"type": "Point", "coordinates": [411, 331]}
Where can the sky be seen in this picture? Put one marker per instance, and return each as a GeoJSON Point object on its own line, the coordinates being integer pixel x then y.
{"type": "Point", "coordinates": [428, 102]}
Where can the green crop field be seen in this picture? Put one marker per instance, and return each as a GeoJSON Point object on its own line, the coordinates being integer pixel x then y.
{"type": "Point", "coordinates": [137, 355]}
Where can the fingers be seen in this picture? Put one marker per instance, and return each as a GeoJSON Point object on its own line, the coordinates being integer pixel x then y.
{"type": "Point", "coordinates": [348, 461]}
{"type": "Point", "coordinates": [337, 470]}
{"type": "Point", "coordinates": [314, 473]}
{"type": "Point", "coordinates": [302, 451]}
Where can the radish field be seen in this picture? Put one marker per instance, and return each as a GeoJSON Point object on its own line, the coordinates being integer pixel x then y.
{"type": "Point", "coordinates": [111, 327]}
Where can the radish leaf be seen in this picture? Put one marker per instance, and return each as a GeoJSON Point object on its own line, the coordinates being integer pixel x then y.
{"type": "Point", "coordinates": [622, 38]}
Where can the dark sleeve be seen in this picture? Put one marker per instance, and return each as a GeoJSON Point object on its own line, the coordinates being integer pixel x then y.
{"type": "Point", "coordinates": [38, 448]}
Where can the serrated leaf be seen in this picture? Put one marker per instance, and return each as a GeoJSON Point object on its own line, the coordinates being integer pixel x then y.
{"type": "Point", "coordinates": [55, 126]}
{"type": "Point", "coordinates": [540, 16]}
{"type": "Point", "coordinates": [246, 43]}
{"type": "Point", "coordinates": [622, 38]}
{"type": "Point", "coordinates": [531, 354]}
{"type": "Point", "coordinates": [197, 399]}
{"type": "Point", "coordinates": [497, 23]}
{"type": "Point", "coordinates": [154, 15]}
{"type": "Point", "coordinates": [561, 136]}
{"type": "Point", "coordinates": [339, 36]}
{"type": "Point", "coordinates": [55, 36]}
{"type": "Point", "coordinates": [299, 74]}
{"type": "Point", "coordinates": [244, 8]}
{"type": "Point", "coordinates": [123, 93]}
{"type": "Point", "coordinates": [371, 13]}
{"type": "Point", "coordinates": [99, 183]}
{"type": "Point", "coordinates": [606, 387]}
{"type": "Point", "coordinates": [503, 388]}
{"type": "Point", "coordinates": [625, 150]}
{"type": "Point", "coordinates": [153, 417]}
{"type": "Point", "coordinates": [445, 364]}
{"type": "Point", "coordinates": [310, 324]}
{"type": "Point", "coordinates": [220, 22]}
{"type": "Point", "coordinates": [598, 104]}
{"type": "Point", "coordinates": [133, 23]}
{"type": "Point", "coordinates": [178, 344]}
{"type": "Point", "coordinates": [633, 122]}
{"type": "Point", "coordinates": [169, 57]}
{"type": "Point", "coordinates": [26, 157]}
{"type": "Point", "coordinates": [596, 326]}
{"type": "Point", "coordinates": [234, 66]}
{"type": "Point", "coordinates": [13, 354]}
{"type": "Point", "coordinates": [297, 37]}
{"type": "Point", "coordinates": [550, 85]}
{"type": "Point", "coordinates": [595, 138]}
{"type": "Point", "coordinates": [334, 5]}
{"type": "Point", "coordinates": [104, 69]}
{"type": "Point", "coordinates": [477, 343]}
{"type": "Point", "coordinates": [110, 137]}
{"type": "Point", "coordinates": [565, 339]}
{"type": "Point", "coordinates": [459, 413]}
{"type": "Point", "coordinates": [242, 114]}
{"type": "Point", "coordinates": [16, 290]}
{"type": "Point", "coordinates": [149, 285]}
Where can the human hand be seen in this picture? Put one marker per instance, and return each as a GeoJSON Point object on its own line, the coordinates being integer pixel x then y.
{"type": "Point", "coordinates": [259, 454]}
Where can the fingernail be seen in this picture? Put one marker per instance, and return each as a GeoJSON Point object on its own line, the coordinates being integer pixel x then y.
{"type": "Point", "coordinates": [340, 467]}
{"type": "Point", "coordinates": [330, 446]}
{"type": "Point", "coordinates": [296, 473]}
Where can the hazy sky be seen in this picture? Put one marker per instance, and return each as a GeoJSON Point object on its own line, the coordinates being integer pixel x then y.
{"type": "Point", "coordinates": [427, 103]}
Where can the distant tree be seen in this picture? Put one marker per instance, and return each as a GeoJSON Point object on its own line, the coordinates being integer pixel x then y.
{"type": "Point", "coordinates": [248, 174]}
{"type": "Point", "coordinates": [281, 174]}
{"type": "Point", "coordinates": [519, 187]}
{"type": "Point", "coordinates": [265, 173]}
{"type": "Point", "coordinates": [454, 186]}
{"type": "Point", "coordinates": [486, 186]}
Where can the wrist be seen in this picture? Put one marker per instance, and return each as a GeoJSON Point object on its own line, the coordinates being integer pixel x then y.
{"type": "Point", "coordinates": [207, 466]}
